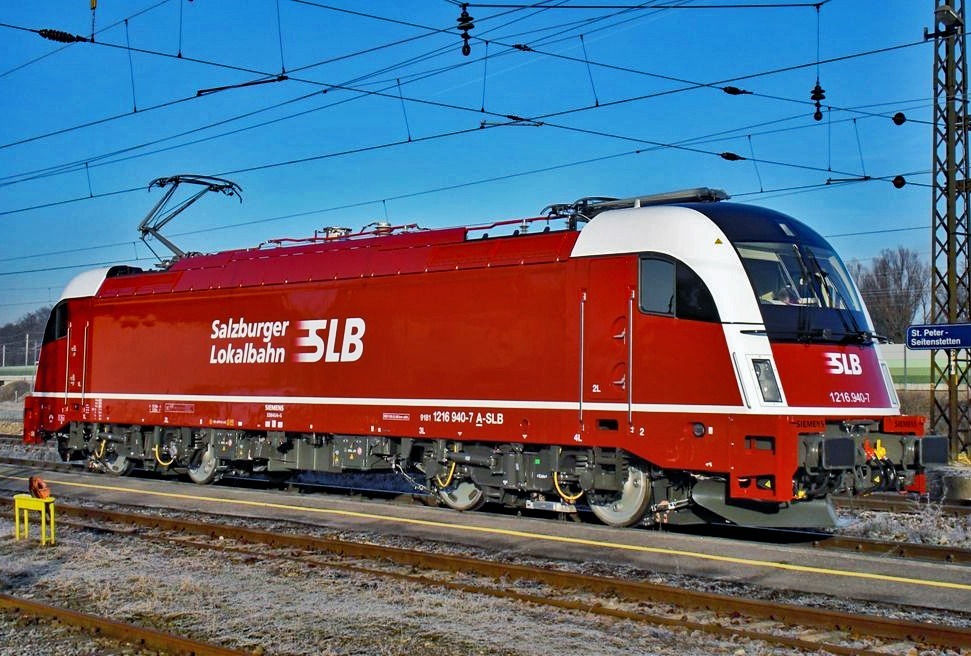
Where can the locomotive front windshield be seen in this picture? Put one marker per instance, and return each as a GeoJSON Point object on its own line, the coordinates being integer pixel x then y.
{"type": "Point", "coordinates": [804, 292]}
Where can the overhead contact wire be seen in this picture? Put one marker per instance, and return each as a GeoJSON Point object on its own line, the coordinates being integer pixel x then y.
{"type": "Point", "coordinates": [401, 99]}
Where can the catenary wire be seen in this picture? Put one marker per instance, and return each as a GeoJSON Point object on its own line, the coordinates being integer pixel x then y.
{"type": "Point", "coordinates": [472, 109]}
{"type": "Point", "coordinates": [417, 100]}
{"type": "Point", "coordinates": [68, 45]}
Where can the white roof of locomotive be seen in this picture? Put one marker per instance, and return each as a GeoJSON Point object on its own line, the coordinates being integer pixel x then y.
{"type": "Point", "coordinates": [85, 284]}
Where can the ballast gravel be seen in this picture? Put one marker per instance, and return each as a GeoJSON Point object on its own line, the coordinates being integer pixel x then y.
{"type": "Point", "coordinates": [275, 606]}
{"type": "Point", "coordinates": [272, 606]}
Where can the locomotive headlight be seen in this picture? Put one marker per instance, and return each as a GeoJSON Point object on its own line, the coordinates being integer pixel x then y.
{"type": "Point", "coordinates": [767, 382]}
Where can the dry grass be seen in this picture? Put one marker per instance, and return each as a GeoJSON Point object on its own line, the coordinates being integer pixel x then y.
{"type": "Point", "coordinates": [915, 402]}
{"type": "Point", "coordinates": [14, 391]}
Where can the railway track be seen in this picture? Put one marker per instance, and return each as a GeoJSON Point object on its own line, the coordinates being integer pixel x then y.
{"type": "Point", "coordinates": [121, 632]}
{"type": "Point", "coordinates": [905, 550]}
{"type": "Point", "coordinates": [715, 614]}
{"type": "Point", "coordinates": [900, 504]}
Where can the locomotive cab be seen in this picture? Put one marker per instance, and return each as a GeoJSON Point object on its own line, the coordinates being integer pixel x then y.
{"type": "Point", "coordinates": [783, 398]}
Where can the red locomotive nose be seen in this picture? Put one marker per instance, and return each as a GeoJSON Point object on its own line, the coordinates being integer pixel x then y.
{"type": "Point", "coordinates": [38, 488]}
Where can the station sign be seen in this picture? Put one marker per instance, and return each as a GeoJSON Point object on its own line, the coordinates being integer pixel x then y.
{"type": "Point", "coordinates": [939, 336]}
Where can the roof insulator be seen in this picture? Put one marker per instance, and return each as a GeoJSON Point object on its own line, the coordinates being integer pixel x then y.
{"type": "Point", "coordinates": [730, 156]}
{"type": "Point", "coordinates": [522, 46]}
{"type": "Point", "coordinates": [735, 91]}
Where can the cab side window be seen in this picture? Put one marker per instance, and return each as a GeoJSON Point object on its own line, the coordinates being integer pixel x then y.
{"type": "Point", "coordinates": [57, 323]}
{"type": "Point", "coordinates": [657, 285]}
{"type": "Point", "coordinates": [671, 287]}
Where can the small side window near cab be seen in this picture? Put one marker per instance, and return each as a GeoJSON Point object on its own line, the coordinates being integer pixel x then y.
{"type": "Point", "coordinates": [670, 287]}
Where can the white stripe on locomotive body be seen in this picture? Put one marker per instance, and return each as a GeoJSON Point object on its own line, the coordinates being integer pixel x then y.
{"type": "Point", "coordinates": [692, 237]}
{"type": "Point", "coordinates": [502, 404]}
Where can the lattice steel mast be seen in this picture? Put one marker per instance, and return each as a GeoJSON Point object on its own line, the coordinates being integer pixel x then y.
{"type": "Point", "coordinates": [950, 281]}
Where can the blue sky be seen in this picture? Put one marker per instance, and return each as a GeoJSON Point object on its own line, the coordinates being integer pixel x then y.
{"type": "Point", "coordinates": [634, 107]}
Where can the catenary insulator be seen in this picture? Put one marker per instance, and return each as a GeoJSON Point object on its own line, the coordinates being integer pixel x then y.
{"type": "Point", "coordinates": [61, 36]}
{"type": "Point", "coordinates": [818, 93]}
{"type": "Point", "coordinates": [465, 24]}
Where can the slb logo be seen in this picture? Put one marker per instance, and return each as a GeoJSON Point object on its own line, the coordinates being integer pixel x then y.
{"type": "Point", "coordinates": [847, 364]}
{"type": "Point", "coordinates": [352, 341]}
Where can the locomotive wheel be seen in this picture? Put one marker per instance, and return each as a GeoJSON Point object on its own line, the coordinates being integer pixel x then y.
{"type": "Point", "coordinates": [629, 505]}
{"type": "Point", "coordinates": [117, 464]}
{"type": "Point", "coordinates": [463, 495]}
{"type": "Point", "coordinates": [204, 466]}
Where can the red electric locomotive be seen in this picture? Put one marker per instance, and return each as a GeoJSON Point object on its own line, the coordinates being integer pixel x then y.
{"type": "Point", "coordinates": [678, 359]}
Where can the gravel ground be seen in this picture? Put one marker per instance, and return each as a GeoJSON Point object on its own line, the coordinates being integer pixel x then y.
{"type": "Point", "coordinates": [277, 607]}
{"type": "Point", "coordinates": [932, 527]}
{"type": "Point", "coordinates": [285, 607]}
{"type": "Point", "coordinates": [24, 636]}
{"type": "Point", "coordinates": [272, 606]}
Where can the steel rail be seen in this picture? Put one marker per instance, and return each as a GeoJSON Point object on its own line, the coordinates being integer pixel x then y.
{"type": "Point", "coordinates": [46, 465]}
{"type": "Point", "coordinates": [901, 505]}
{"type": "Point", "coordinates": [635, 591]}
{"type": "Point", "coordinates": [911, 550]}
{"type": "Point", "coordinates": [120, 631]}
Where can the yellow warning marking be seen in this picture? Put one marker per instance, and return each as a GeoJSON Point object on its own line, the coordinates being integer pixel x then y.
{"type": "Point", "coordinates": [525, 534]}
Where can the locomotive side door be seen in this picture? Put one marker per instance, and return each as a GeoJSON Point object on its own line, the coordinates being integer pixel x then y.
{"type": "Point", "coordinates": [607, 305]}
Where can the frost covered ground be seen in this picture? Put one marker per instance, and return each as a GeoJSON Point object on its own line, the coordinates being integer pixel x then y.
{"type": "Point", "coordinates": [932, 526]}
{"type": "Point", "coordinates": [276, 606]}
{"type": "Point", "coordinates": [273, 606]}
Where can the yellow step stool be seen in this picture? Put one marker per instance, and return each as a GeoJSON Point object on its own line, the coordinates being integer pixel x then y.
{"type": "Point", "coordinates": [22, 505]}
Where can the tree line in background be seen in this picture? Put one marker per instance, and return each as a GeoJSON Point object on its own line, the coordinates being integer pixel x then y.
{"type": "Point", "coordinates": [20, 340]}
{"type": "Point", "coordinates": [896, 289]}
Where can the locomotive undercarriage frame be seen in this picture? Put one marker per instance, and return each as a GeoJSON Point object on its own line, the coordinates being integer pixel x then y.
{"type": "Point", "coordinates": [618, 488]}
